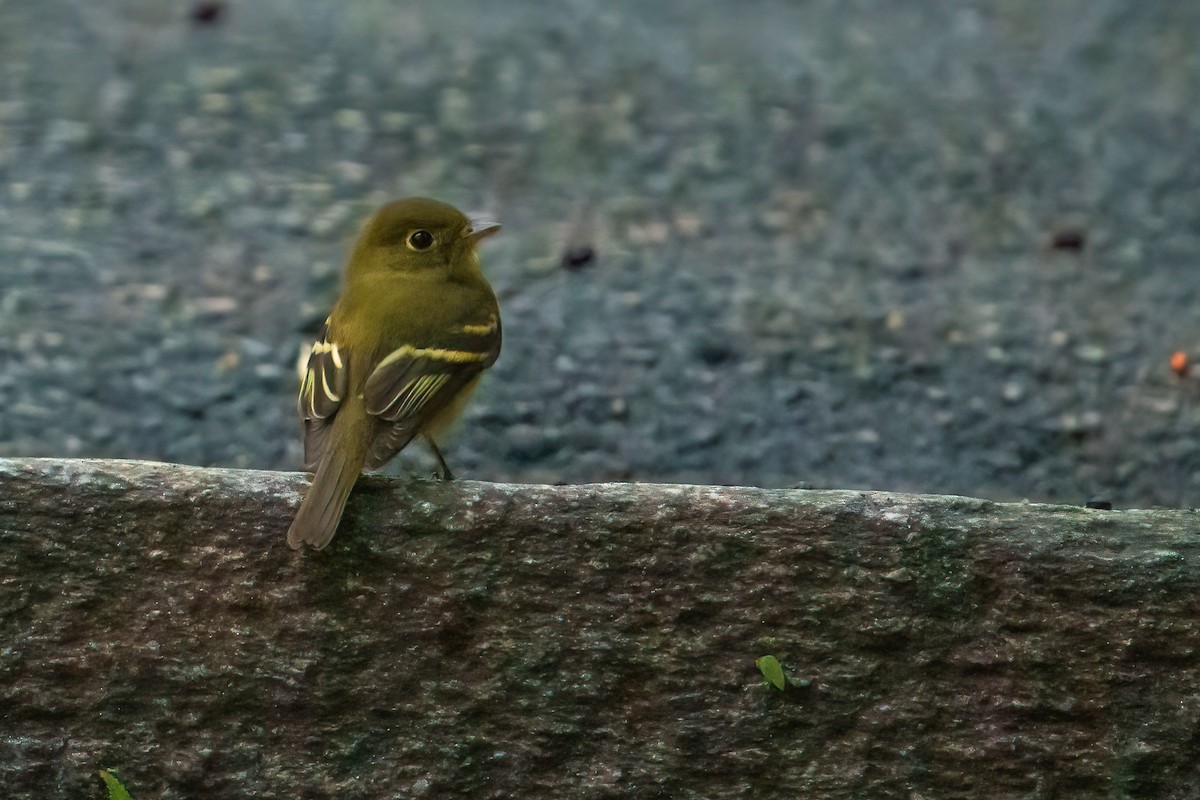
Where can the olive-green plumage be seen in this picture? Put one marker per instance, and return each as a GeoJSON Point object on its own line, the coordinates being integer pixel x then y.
{"type": "Point", "coordinates": [415, 327]}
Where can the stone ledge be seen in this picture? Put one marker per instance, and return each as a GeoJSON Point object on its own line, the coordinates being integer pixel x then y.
{"type": "Point", "coordinates": [487, 640]}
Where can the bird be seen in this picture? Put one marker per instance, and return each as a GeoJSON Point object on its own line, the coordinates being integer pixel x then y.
{"type": "Point", "coordinates": [399, 355]}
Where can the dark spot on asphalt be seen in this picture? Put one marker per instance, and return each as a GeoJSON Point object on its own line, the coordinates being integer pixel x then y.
{"type": "Point", "coordinates": [578, 257]}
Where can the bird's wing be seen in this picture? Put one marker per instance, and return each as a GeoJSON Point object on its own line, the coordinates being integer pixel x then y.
{"type": "Point", "coordinates": [412, 384]}
{"type": "Point", "coordinates": [321, 392]}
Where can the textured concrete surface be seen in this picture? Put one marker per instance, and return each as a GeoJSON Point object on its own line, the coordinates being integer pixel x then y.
{"type": "Point", "coordinates": [926, 246]}
{"type": "Point", "coordinates": [599, 641]}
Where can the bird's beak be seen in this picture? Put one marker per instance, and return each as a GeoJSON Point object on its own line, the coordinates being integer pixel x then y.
{"type": "Point", "coordinates": [481, 227]}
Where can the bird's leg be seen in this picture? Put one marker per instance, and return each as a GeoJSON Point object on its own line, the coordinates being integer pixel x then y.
{"type": "Point", "coordinates": [447, 475]}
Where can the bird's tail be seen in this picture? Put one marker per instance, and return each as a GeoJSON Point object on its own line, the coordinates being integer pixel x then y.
{"type": "Point", "coordinates": [337, 470]}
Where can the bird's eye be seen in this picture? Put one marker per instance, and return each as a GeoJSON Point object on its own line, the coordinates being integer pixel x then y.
{"type": "Point", "coordinates": [420, 240]}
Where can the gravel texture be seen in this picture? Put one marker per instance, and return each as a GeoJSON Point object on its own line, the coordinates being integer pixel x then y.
{"type": "Point", "coordinates": [940, 247]}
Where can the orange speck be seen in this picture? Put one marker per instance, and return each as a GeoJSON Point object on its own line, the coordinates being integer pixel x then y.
{"type": "Point", "coordinates": [1179, 363]}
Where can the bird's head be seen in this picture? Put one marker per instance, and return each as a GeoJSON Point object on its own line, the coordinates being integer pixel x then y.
{"type": "Point", "coordinates": [418, 235]}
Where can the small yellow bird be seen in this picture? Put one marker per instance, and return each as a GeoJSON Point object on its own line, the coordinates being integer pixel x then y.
{"type": "Point", "coordinates": [405, 345]}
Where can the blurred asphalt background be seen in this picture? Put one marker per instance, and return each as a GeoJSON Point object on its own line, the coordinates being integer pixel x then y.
{"type": "Point", "coordinates": [935, 247]}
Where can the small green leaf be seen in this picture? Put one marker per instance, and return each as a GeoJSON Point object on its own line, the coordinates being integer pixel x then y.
{"type": "Point", "coordinates": [772, 670]}
{"type": "Point", "coordinates": [115, 790]}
